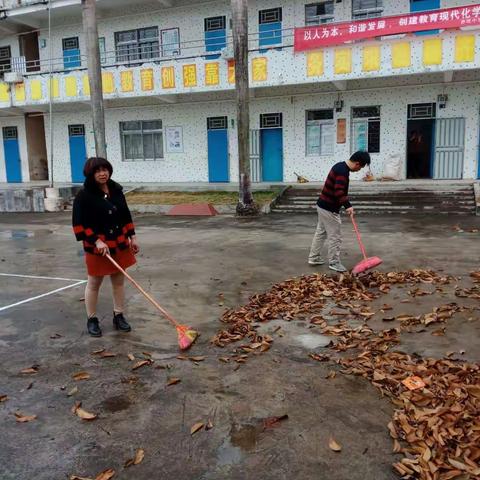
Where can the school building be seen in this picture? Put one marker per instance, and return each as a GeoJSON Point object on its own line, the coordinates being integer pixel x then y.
{"type": "Point", "coordinates": [399, 79]}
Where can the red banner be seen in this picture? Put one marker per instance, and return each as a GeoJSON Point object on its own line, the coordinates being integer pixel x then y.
{"type": "Point", "coordinates": [336, 33]}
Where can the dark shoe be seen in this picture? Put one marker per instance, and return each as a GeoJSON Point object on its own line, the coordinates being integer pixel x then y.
{"type": "Point", "coordinates": [120, 323]}
{"type": "Point", "coordinates": [93, 327]}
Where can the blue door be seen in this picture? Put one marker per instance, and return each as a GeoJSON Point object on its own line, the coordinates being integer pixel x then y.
{"type": "Point", "coordinates": [271, 140]}
{"type": "Point", "coordinates": [215, 35]}
{"type": "Point", "coordinates": [270, 27]}
{"type": "Point", "coordinates": [217, 139]}
{"type": "Point", "coordinates": [13, 164]}
{"type": "Point", "coordinates": [421, 6]}
{"type": "Point", "coordinates": [71, 53]}
{"type": "Point", "coordinates": [78, 152]}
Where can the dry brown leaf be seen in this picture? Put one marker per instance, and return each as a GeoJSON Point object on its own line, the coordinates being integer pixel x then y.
{"type": "Point", "coordinates": [173, 381]}
{"type": "Point", "coordinates": [29, 371]}
{"type": "Point", "coordinates": [141, 364]}
{"type": "Point", "coordinates": [107, 355]}
{"type": "Point", "coordinates": [336, 447]}
{"type": "Point", "coordinates": [24, 418]}
{"type": "Point", "coordinates": [224, 359]}
{"type": "Point", "coordinates": [131, 357]}
{"type": "Point", "coordinates": [139, 456]}
{"type": "Point", "coordinates": [271, 422]}
{"type": "Point", "coordinates": [83, 414]}
{"type": "Point", "coordinates": [196, 359]}
{"type": "Point", "coordinates": [106, 475]}
{"type": "Point", "coordinates": [73, 391]}
{"type": "Point", "coordinates": [96, 352]}
{"type": "Point", "coordinates": [209, 425]}
{"type": "Point", "coordinates": [196, 427]}
{"type": "Point", "coordinates": [3, 398]}
{"type": "Point", "coordinates": [76, 477]}
{"type": "Point", "coordinates": [81, 376]}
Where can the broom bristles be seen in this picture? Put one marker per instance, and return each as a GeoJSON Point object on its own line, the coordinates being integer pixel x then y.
{"type": "Point", "coordinates": [186, 337]}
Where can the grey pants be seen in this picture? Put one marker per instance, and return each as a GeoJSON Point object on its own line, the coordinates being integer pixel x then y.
{"type": "Point", "coordinates": [328, 228]}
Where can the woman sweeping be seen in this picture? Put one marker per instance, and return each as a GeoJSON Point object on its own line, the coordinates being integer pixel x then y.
{"type": "Point", "coordinates": [102, 221]}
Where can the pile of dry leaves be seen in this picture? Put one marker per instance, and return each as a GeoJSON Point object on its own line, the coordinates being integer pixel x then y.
{"type": "Point", "coordinates": [437, 416]}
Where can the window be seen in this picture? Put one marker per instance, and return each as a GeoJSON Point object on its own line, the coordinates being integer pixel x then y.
{"type": "Point", "coordinates": [366, 129]}
{"type": "Point", "coordinates": [5, 58]}
{"type": "Point", "coordinates": [362, 9]}
{"type": "Point", "coordinates": [170, 42]}
{"type": "Point", "coordinates": [141, 44]}
{"type": "Point", "coordinates": [271, 120]}
{"type": "Point", "coordinates": [215, 35]}
{"type": "Point", "coordinates": [319, 132]}
{"type": "Point", "coordinates": [101, 47]}
{"type": "Point", "coordinates": [422, 110]}
{"type": "Point", "coordinates": [142, 140]}
{"type": "Point", "coordinates": [270, 26]}
{"type": "Point", "coordinates": [10, 133]}
{"type": "Point", "coordinates": [317, 13]}
{"type": "Point", "coordinates": [215, 23]}
{"type": "Point", "coordinates": [217, 123]}
{"type": "Point", "coordinates": [76, 130]}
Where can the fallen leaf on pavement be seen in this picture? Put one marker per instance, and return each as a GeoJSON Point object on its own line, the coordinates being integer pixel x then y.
{"type": "Point", "coordinates": [141, 364]}
{"type": "Point", "coordinates": [106, 475]}
{"type": "Point", "coordinates": [83, 414]}
{"type": "Point", "coordinates": [224, 359]}
{"type": "Point", "coordinates": [139, 456]}
{"type": "Point", "coordinates": [96, 352]}
{"type": "Point", "coordinates": [196, 427]}
{"type": "Point", "coordinates": [131, 357]}
{"type": "Point", "coordinates": [173, 381]}
{"type": "Point", "coordinates": [336, 447]}
{"type": "Point", "coordinates": [73, 391]}
{"type": "Point", "coordinates": [196, 359]}
{"type": "Point", "coordinates": [3, 398]}
{"type": "Point", "coordinates": [319, 357]}
{"type": "Point", "coordinates": [24, 418]}
{"type": "Point", "coordinates": [107, 355]}
{"type": "Point", "coordinates": [81, 376]}
{"type": "Point", "coordinates": [271, 422]}
{"type": "Point", "coordinates": [209, 425]}
{"type": "Point", "coordinates": [413, 383]}
{"type": "Point", "coordinates": [331, 374]}
{"type": "Point", "coordinates": [76, 477]}
{"type": "Point", "coordinates": [30, 371]}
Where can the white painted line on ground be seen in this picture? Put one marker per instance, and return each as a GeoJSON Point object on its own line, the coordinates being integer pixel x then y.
{"type": "Point", "coordinates": [41, 278]}
{"type": "Point", "coordinates": [42, 295]}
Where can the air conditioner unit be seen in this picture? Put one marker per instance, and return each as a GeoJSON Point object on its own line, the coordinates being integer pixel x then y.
{"type": "Point", "coordinates": [227, 53]}
{"type": "Point", "coordinates": [13, 77]}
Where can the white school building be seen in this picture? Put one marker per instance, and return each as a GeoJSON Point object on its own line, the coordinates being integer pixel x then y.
{"type": "Point", "coordinates": [411, 99]}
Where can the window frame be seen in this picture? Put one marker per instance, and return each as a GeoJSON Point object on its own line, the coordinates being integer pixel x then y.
{"type": "Point", "coordinates": [322, 122]}
{"type": "Point", "coordinates": [367, 13]}
{"type": "Point", "coordinates": [368, 121]}
{"type": "Point", "coordinates": [177, 50]}
{"type": "Point", "coordinates": [327, 17]}
{"type": "Point", "coordinates": [142, 132]}
{"type": "Point", "coordinates": [137, 55]}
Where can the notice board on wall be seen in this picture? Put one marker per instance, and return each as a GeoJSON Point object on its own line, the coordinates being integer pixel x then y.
{"type": "Point", "coordinates": [341, 130]}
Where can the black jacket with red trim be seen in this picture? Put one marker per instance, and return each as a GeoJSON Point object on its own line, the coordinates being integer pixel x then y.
{"type": "Point", "coordinates": [100, 216]}
{"type": "Point", "coordinates": [335, 191]}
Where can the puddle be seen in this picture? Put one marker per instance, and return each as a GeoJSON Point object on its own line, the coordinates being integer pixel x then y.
{"type": "Point", "coordinates": [243, 439]}
{"type": "Point", "coordinates": [116, 404]}
{"type": "Point", "coordinates": [313, 340]}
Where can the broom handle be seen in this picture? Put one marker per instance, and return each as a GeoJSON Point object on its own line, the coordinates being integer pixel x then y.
{"type": "Point", "coordinates": [144, 293]}
{"type": "Point", "coordinates": [355, 227]}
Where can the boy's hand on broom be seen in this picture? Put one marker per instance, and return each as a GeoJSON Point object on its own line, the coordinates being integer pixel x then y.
{"type": "Point", "coordinates": [350, 211]}
{"type": "Point", "coordinates": [102, 247]}
{"type": "Point", "coordinates": [134, 245]}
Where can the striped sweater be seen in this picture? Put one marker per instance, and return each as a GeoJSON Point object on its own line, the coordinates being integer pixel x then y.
{"type": "Point", "coordinates": [335, 191]}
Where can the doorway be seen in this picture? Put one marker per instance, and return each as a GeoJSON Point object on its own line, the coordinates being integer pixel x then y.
{"type": "Point", "coordinates": [78, 152]}
{"type": "Point", "coordinates": [217, 146]}
{"type": "Point", "coordinates": [271, 147]}
{"type": "Point", "coordinates": [420, 140]}
{"type": "Point", "coordinates": [29, 50]}
{"type": "Point", "coordinates": [13, 162]}
{"type": "Point", "coordinates": [36, 146]}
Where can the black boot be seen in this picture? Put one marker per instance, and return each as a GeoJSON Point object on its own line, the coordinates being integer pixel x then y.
{"type": "Point", "coordinates": [120, 323]}
{"type": "Point", "coordinates": [93, 327]}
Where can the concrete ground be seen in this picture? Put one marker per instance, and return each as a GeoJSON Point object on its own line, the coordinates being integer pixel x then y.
{"type": "Point", "coordinates": [187, 264]}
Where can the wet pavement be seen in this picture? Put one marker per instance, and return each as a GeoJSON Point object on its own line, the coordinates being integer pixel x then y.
{"type": "Point", "coordinates": [196, 268]}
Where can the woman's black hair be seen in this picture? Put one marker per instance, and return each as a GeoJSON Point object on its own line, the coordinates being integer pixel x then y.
{"type": "Point", "coordinates": [361, 157]}
{"type": "Point", "coordinates": [95, 163]}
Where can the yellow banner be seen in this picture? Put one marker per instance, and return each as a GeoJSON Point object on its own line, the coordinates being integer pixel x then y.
{"type": "Point", "coordinates": [464, 48]}
{"type": "Point", "coordinates": [371, 58]}
{"type": "Point", "coordinates": [231, 71]}
{"type": "Point", "coordinates": [54, 87]}
{"type": "Point", "coordinates": [86, 86]}
{"type": "Point", "coordinates": [108, 83]}
{"type": "Point", "coordinates": [212, 73]}
{"type": "Point", "coordinates": [146, 79]}
{"type": "Point", "coordinates": [20, 92]}
{"type": "Point", "coordinates": [168, 77]}
{"type": "Point", "coordinates": [432, 51]}
{"type": "Point", "coordinates": [189, 75]}
{"type": "Point", "coordinates": [71, 86]}
{"type": "Point", "coordinates": [4, 92]}
{"type": "Point", "coordinates": [259, 69]}
{"type": "Point", "coordinates": [36, 89]}
{"type": "Point", "coordinates": [401, 55]}
{"type": "Point", "coordinates": [343, 61]}
{"type": "Point", "coordinates": [126, 81]}
{"type": "Point", "coordinates": [315, 64]}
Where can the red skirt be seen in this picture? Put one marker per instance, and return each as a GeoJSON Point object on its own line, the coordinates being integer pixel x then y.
{"type": "Point", "coordinates": [98, 266]}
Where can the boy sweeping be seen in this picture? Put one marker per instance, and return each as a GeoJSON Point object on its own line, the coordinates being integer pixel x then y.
{"type": "Point", "coordinates": [334, 196]}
